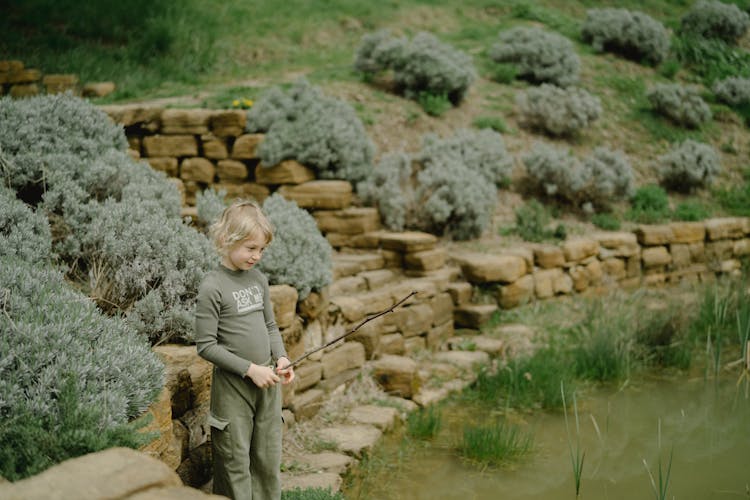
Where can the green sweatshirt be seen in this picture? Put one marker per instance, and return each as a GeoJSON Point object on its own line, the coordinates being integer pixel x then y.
{"type": "Point", "coordinates": [234, 321]}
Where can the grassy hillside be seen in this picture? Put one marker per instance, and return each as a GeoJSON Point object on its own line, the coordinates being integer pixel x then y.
{"type": "Point", "coordinates": [211, 53]}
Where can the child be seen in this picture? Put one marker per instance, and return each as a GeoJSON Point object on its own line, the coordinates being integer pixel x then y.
{"type": "Point", "coordinates": [235, 330]}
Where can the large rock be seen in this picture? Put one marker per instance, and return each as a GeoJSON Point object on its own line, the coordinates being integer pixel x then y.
{"type": "Point", "coordinates": [135, 115]}
{"type": "Point", "coordinates": [245, 147]}
{"type": "Point", "coordinates": [344, 357]}
{"type": "Point", "coordinates": [185, 121]}
{"type": "Point", "coordinates": [176, 358]}
{"type": "Point", "coordinates": [228, 122]}
{"type": "Point", "coordinates": [197, 170]}
{"type": "Point", "coordinates": [727, 228]}
{"type": "Point", "coordinates": [408, 241]}
{"type": "Point", "coordinates": [473, 315]}
{"type": "Point", "coordinates": [655, 257]}
{"type": "Point", "coordinates": [284, 299]}
{"type": "Point", "coordinates": [549, 256]}
{"type": "Point", "coordinates": [397, 375]}
{"type": "Point", "coordinates": [650, 235]}
{"type": "Point", "coordinates": [159, 418]}
{"type": "Point", "coordinates": [352, 439]}
{"type": "Point", "coordinates": [230, 170]}
{"type": "Point", "coordinates": [382, 417]}
{"type": "Point", "coordinates": [617, 244]}
{"type": "Point", "coordinates": [170, 145]}
{"type": "Point", "coordinates": [307, 404]}
{"type": "Point", "coordinates": [307, 375]}
{"type": "Point", "coordinates": [326, 461]}
{"type": "Point", "coordinates": [352, 220]}
{"type": "Point", "coordinates": [465, 359]}
{"type": "Point", "coordinates": [461, 292]}
{"type": "Point", "coordinates": [427, 260]}
{"type": "Point", "coordinates": [688, 232]}
{"type": "Point", "coordinates": [286, 172]}
{"type": "Point", "coordinates": [112, 473]}
{"type": "Point", "coordinates": [319, 194]}
{"type": "Point", "coordinates": [487, 268]}
{"type": "Point", "coordinates": [578, 249]}
{"type": "Point", "coordinates": [517, 293]}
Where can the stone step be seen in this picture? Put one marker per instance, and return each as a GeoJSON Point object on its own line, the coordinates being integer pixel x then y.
{"type": "Point", "coordinates": [350, 264]}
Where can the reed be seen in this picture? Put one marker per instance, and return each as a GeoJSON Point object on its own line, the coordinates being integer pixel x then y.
{"type": "Point", "coordinates": [660, 489]}
{"type": "Point", "coordinates": [495, 444]}
{"type": "Point", "coordinates": [576, 455]}
{"type": "Point", "coordinates": [424, 424]}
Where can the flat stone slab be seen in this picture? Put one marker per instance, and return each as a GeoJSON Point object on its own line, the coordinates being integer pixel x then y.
{"type": "Point", "coordinates": [490, 345]}
{"type": "Point", "coordinates": [464, 359]}
{"type": "Point", "coordinates": [352, 439]}
{"type": "Point", "coordinates": [324, 480]}
{"type": "Point", "coordinates": [381, 417]}
{"type": "Point", "coordinates": [326, 461]}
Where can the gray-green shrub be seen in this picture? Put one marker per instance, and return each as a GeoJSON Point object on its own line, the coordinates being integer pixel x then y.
{"type": "Point", "coordinates": [53, 336]}
{"type": "Point", "coordinates": [540, 56]}
{"type": "Point", "coordinates": [115, 222]}
{"type": "Point", "coordinates": [689, 165]}
{"type": "Point", "coordinates": [448, 188]}
{"type": "Point", "coordinates": [558, 111]}
{"type": "Point", "coordinates": [683, 105]}
{"type": "Point", "coordinates": [24, 233]}
{"type": "Point", "coordinates": [423, 64]}
{"type": "Point", "coordinates": [319, 131]}
{"type": "Point", "coordinates": [733, 90]}
{"type": "Point", "coordinates": [593, 183]}
{"type": "Point", "coordinates": [715, 19]}
{"type": "Point", "coordinates": [298, 255]}
{"type": "Point", "coordinates": [633, 34]}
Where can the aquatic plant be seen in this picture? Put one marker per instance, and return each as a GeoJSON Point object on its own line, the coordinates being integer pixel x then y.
{"type": "Point", "coordinates": [577, 456]}
{"type": "Point", "coordinates": [494, 444]}
{"type": "Point", "coordinates": [424, 424]}
{"type": "Point", "coordinates": [660, 490]}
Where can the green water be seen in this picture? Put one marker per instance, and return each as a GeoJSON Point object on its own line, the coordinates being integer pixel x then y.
{"type": "Point", "coordinates": [705, 423]}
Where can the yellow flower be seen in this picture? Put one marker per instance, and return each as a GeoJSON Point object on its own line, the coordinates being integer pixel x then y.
{"type": "Point", "coordinates": [247, 102]}
{"type": "Point", "coordinates": [236, 103]}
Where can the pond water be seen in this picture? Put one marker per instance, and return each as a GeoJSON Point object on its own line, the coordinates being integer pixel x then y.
{"type": "Point", "coordinates": [705, 423]}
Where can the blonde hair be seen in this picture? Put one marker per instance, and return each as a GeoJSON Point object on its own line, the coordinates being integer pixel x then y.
{"type": "Point", "coordinates": [241, 220]}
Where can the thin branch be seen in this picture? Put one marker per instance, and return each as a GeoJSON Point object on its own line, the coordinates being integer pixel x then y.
{"type": "Point", "coordinates": [360, 325]}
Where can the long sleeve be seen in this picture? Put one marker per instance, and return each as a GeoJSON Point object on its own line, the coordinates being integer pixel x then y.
{"type": "Point", "coordinates": [274, 336]}
{"type": "Point", "coordinates": [206, 332]}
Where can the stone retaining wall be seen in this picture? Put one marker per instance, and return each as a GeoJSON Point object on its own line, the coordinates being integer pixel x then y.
{"type": "Point", "coordinates": [18, 81]}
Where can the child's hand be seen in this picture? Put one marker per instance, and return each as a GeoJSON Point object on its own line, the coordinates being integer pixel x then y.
{"type": "Point", "coordinates": [286, 374]}
{"type": "Point", "coordinates": [262, 376]}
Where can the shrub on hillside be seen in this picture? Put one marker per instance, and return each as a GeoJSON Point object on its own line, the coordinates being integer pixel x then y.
{"type": "Point", "coordinates": [422, 65]}
{"type": "Point", "coordinates": [649, 204]}
{"type": "Point", "coordinates": [715, 19]}
{"type": "Point", "coordinates": [482, 151]}
{"type": "Point", "coordinates": [558, 111]}
{"type": "Point", "coordinates": [298, 255]}
{"type": "Point", "coordinates": [689, 165]}
{"type": "Point", "coordinates": [594, 183]}
{"type": "Point", "coordinates": [540, 56]}
{"type": "Point", "coordinates": [24, 234]}
{"type": "Point", "coordinates": [633, 34]}
{"type": "Point", "coordinates": [57, 342]}
{"type": "Point", "coordinates": [447, 189]}
{"type": "Point", "coordinates": [733, 90]}
{"type": "Point", "coordinates": [319, 131]}
{"type": "Point", "coordinates": [680, 104]}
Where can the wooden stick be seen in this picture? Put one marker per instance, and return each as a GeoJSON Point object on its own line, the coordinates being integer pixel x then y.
{"type": "Point", "coordinates": [366, 320]}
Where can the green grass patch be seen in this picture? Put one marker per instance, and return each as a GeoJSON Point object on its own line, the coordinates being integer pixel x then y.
{"type": "Point", "coordinates": [494, 444]}
{"type": "Point", "coordinates": [533, 221]}
{"type": "Point", "coordinates": [649, 205]}
{"type": "Point", "coordinates": [606, 220]}
{"type": "Point", "coordinates": [434, 104]}
{"type": "Point", "coordinates": [735, 200]}
{"type": "Point", "coordinates": [311, 494]}
{"type": "Point", "coordinates": [495, 123]}
{"type": "Point", "coordinates": [424, 424]}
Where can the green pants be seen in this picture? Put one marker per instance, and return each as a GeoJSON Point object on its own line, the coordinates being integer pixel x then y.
{"type": "Point", "coordinates": [245, 425]}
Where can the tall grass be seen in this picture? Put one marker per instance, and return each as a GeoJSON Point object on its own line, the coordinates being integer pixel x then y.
{"type": "Point", "coordinates": [660, 486]}
{"type": "Point", "coordinates": [494, 444]}
{"type": "Point", "coordinates": [425, 423]}
{"type": "Point", "coordinates": [576, 454]}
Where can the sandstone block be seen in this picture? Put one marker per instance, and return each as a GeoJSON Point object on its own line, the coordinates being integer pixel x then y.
{"type": "Point", "coordinates": [595, 272]}
{"type": "Point", "coordinates": [548, 256]}
{"type": "Point", "coordinates": [442, 308]}
{"type": "Point", "coordinates": [382, 417]}
{"type": "Point", "coordinates": [244, 190]}
{"type": "Point", "coordinates": [176, 358]}
{"type": "Point", "coordinates": [407, 242]}
{"type": "Point", "coordinates": [352, 220]}
{"type": "Point", "coordinates": [112, 473]}
{"type": "Point", "coordinates": [617, 244]}
{"type": "Point", "coordinates": [352, 439]}
{"type": "Point", "coordinates": [319, 195]}
{"type": "Point", "coordinates": [27, 75]}
{"type": "Point", "coordinates": [314, 304]}
{"type": "Point", "coordinates": [59, 83]}
{"type": "Point", "coordinates": [307, 404]}
{"type": "Point", "coordinates": [170, 145]}
{"type": "Point", "coordinates": [414, 320]}
{"type": "Point", "coordinates": [215, 148]}
{"type": "Point", "coordinates": [688, 232]}
{"type": "Point", "coordinates": [10, 66]}
{"type": "Point", "coordinates": [615, 268]}
{"type": "Point", "coordinates": [544, 282]}
{"type": "Point", "coordinates": [324, 461]}
{"type": "Point", "coordinates": [414, 345]}
{"type": "Point", "coordinates": [348, 285]}
{"type": "Point", "coordinates": [726, 228]}
{"type": "Point", "coordinates": [345, 357]}
{"type": "Point", "coordinates": [369, 336]}
{"type": "Point", "coordinates": [517, 293]}
{"type": "Point", "coordinates": [741, 247]}
{"type": "Point", "coordinates": [286, 172]}
{"type": "Point", "coordinates": [185, 121]}
{"type": "Point", "coordinates": [197, 170]}
{"type": "Point", "coordinates": [169, 166]}
{"type": "Point", "coordinates": [467, 360]}
{"type": "Point", "coordinates": [284, 298]}
{"type": "Point", "coordinates": [579, 249]}
{"type": "Point", "coordinates": [246, 146]}
{"type": "Point", "coordinates": [460, 292]}
{"type": "Point", "coordinates": [312, 338]}
{"type": "Point", "coordinates": [20, 90]}
{"type": "Point", "coordinates": [307, 375]}
{"type": "Point", "coordinates": [439, 334]}
{"type": "Point", "coordinates": [719, 250]}
{"type": "Point", "coordinates": [228, 122]}
{"type": "Point", "coordinates": [392, 343]}
{"type": "Point", "coordinates": [661, 234]}
{"type": "Point", "coordinates": [231, 170]}
{"type": "Point", "coordinates": [397, 375]}
{"type": "Point", "coordinates": [680, 255]}
{"type": "Point", "coordinates": [580, 278]}
{"type": "Point", "coordinates": [145, 117]}
{"type": "Point", "coordinates": [473, 315]}
{"type": "Point", "coordinates": [486, 268]}
{"type": "Point", "coordinates": [427, 260]}
{"type": "Point", "coordinates": [633, 266]}
{"type": "Point", "coordinates": [378, 278]}
{"type": "Point", "coordinates": [160, 413]}
{"type": "Point", "coordinates": [656, 256]}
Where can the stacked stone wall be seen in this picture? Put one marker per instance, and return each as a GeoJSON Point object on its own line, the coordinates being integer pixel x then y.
{"type": "Point", "coordinates": [19, 81]}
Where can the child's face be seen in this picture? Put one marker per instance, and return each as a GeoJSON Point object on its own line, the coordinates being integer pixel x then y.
{"type": "Point", "coordinates": [244, 254]}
